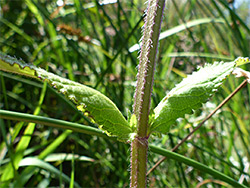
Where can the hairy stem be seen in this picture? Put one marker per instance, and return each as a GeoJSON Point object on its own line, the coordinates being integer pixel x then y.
{"type": "Point", "coordinates": [139, 145]}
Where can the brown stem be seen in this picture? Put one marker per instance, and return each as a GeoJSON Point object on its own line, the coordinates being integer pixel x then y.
{"type": "Point", "coordinates": [142, 98]}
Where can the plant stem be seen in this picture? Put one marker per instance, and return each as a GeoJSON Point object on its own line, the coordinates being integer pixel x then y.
{"type": "Point", "coordinates": [4, 114]}
{"type": "Point", "coordinates": [139, 145]}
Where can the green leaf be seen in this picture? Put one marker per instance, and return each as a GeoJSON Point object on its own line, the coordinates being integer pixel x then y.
{"type": "Point", "coordinates": [199, 166]}
{"type": "Point", "coordinates": [242, 61]}
{"type": "Point", "coordinates": [32, 161]}
{"type": "Point", "coordinates": [179, 28]}
{"type": "Point", "coordinates": [189, 95]}
{"type": "Point", "coordinates": [11, 64]}
{"type": "Point", "coordinates": [98, 106]}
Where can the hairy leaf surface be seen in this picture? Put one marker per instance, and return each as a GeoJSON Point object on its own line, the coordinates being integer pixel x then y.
{"type": "Point", "coordinates": [98, 106]}
{"type": "Point", "coordinates": [189, 94]}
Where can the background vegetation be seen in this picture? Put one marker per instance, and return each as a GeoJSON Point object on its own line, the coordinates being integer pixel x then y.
{"type": "Point", "coordinates": [91, 43]}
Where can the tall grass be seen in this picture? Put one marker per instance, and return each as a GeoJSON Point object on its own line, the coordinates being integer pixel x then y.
{"type": "Point", "coordinates": [91, 43]}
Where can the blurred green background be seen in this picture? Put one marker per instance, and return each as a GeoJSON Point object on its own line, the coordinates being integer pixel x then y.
{"type": "Point", "coordinates": [95, 44]}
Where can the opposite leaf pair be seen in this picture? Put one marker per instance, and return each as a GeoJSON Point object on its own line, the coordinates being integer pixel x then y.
{"type": "Point", "coordinates": [183, 99]}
